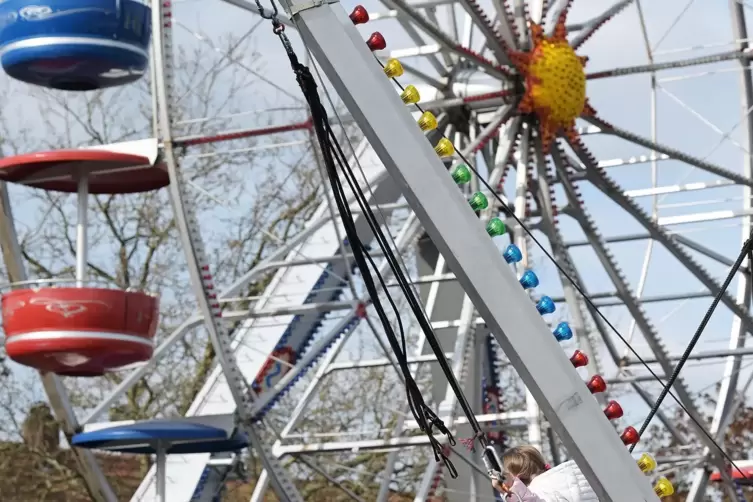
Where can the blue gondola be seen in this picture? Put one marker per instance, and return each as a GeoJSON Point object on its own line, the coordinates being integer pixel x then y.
{"type": "Point", "coordinates": [75, 45]}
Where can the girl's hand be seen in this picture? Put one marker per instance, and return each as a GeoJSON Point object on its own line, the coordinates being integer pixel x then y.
{"type": "Point", "coordinates": [500, 487]}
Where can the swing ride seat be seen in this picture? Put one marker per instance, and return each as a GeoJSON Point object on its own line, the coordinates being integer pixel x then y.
{"type": "Point", "coordinates": [109, 172]}
{"type": "Point", "coordinates": [177, 436]}
{"type": "Point", "coordinates": [75, 45]}
{"type": "Point", "coordinates": [79, 331]}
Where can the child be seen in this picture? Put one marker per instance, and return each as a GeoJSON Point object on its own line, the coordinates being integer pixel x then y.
{"type": "Point", "coordinates": [534, 481]}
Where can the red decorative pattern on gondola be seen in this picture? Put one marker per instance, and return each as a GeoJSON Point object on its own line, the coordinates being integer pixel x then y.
{"type": "Point", "coordinates": [79, 331]}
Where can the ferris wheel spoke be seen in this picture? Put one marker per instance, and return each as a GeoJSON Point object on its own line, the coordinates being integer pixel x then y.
{"type": "Point", "coordinates": [594, 24]}
{"type": "Point", "coordinates": [501, 117]}
{"type": "Point", "coordinates": [448, 43]}
{"type": "Point", "coordinates": [495, 41]}
{"type": "Point", "coordinates": [669, 65]}
{"type": "Point", "coordinates": [544, 198]}
{"type": "Point", "coordinates": [520, 14]}
{"type": "Point", "coordinates": [650, 334]}
{"type": "Point", "coordinates": [504, 155]}
{"type": "Point", "coordinates": [536, 10]}
{"type": "Point", "coordinates": [607, 128]}
{"type": "Point", "coordinates": [505, 22]}
{"type": "Point", "coordinates": [426, 78]}
{"type": "Point", "coordinates": [616, 276]}
{"type": "Point", "coordinates": [449, 62]}
{"type": "Point", "coordinates": [580, 310]}
{"type": "Point", "coordinates": [558, 11]}
{"type": "Point", "coordinates": [418, 40]}
{"type": "Point", "coordinates": [611, 189]}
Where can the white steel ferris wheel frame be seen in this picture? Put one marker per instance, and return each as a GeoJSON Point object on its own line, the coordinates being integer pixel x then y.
{"type": "Point", "coordinates": [422, 178]}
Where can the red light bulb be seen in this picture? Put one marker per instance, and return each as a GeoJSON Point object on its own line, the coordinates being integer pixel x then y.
{"type": "Point", "coordinates": [376, 42]}
{"type": "Point", "coordinates": [359, 15]}
{"type": "Point", "coordinates": [630, 436]}
{"type": "Point", "coordinates": [579, 359]}
{"type": "Point", "coordinates": [613, 411]}
{"type": "Point", "coordinates": [596, 384]}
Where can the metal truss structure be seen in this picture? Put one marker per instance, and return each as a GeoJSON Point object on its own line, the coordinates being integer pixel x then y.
{"type": "Point", "coordinates": [482, 316]}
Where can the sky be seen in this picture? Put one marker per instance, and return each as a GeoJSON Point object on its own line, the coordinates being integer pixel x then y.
{"type": "Point", "coordinates": [712, 93]}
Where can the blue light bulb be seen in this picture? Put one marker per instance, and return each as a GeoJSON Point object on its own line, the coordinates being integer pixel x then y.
{"type": "Point", "coordinates": [562, 332]}
{"type": "Point", "coordinates": [545, 305]}
{"type": "Point", "coordinates": [529, 280]}
{"type": "Point", "coordinates": [512, 254]}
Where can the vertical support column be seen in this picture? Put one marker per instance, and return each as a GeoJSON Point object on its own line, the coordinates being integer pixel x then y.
{"type": "Point", "coordinates": [161, 463]}
{"type": "Point", "coordinates": [429, 302]}
{"type": "Point", "coordinates": [470, 253]}
{"type": "Point", "coordinates": [521, 240]}
{"type": "Point", "coordinates": [82, 230]}
{"type": "Point", "coordinates": [724, 408]}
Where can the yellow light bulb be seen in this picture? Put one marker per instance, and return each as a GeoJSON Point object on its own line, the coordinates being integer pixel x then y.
{"type": "Point", "coordinates": [444, 148]}
{"type": "Point", "coordinates": [410, 95]}
{"type": "Point", "coordinates": [646, 463]}
{"type": "Point", "coordinates": [427, 121]}
{"type": "Point", "coordinates": [393, 68]}
{"type": "Point", "coordinates": [663, 487]}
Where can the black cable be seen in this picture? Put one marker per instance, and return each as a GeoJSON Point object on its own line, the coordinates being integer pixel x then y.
{"type": "Point", "coordinates": [405, 287]}
{"type": "Point", "coordinates": [744, 252]}
{"type": "Point", "coordinates": [334, 157]}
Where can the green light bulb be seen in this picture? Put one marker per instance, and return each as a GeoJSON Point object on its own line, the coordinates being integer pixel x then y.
{"type": "Point", "coordinates": [478, 201]}
{"type": "Point", "coordinates": [495, 227]}
{"type": "Point", "coordinates": [461, 174]}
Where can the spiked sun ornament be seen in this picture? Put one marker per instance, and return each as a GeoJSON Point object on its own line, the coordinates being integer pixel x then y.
{"type": "Point", "coordinates": [555, 82]}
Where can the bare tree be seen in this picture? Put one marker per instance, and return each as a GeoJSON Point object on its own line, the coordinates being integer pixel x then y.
{"type": "Point", "coordinates": [249, 200]}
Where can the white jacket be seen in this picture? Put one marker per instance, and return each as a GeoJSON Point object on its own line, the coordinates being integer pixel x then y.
{"type": "Point", "coordinates": [564, 483]}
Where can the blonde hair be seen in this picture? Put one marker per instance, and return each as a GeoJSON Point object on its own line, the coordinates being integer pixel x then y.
{"type": "Point", "coordinates": [524, 462]}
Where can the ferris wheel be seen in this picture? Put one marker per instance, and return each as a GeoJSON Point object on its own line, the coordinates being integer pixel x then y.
{"type": "Point", "coordinates": [486, 147]}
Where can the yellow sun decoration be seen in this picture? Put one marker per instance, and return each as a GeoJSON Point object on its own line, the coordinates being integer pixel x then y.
{"type": "Point", "coordinates": [555, 83]}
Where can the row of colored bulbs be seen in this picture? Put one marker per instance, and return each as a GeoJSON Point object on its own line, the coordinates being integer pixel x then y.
{"type": "Point", "coordinates": [410, 95]}
{"type": "Point", "coordinates": [461, 174]}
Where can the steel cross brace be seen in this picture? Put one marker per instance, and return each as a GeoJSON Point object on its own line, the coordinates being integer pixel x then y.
{"type": "Point", "coordinates": [606, 185]}
{"type": "Point", "coordinates": [470, 253]}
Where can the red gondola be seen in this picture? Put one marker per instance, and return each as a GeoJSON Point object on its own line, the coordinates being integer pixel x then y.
{"type": "Point", "coordinates": [79, 331]}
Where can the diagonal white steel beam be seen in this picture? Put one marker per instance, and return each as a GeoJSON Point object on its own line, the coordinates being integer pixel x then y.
{"type": "Point", "coordinates": [462, 240]}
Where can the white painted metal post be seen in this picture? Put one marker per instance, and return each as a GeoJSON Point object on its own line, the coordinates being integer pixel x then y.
{"type": "Point", "coordinates": [161, 462]}
{"type": "Point", "coordinates": [521, 240]}
{"type": "Point", "coordinates": [82, 230]}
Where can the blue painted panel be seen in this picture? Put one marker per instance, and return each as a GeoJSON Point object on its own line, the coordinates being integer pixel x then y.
{"type": "Point", "coordinates": [75, 44]}
{"type": "Point", "coordinates": [177, 436]}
